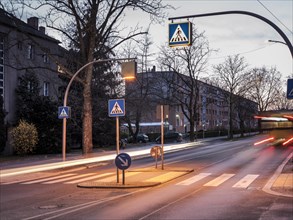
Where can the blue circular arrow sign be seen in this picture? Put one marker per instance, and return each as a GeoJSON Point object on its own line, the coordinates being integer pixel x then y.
{"type": "Point", "coordinates": [123, 161]}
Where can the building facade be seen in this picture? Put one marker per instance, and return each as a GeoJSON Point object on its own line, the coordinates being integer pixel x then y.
{"type": "Point", "coordinates": [155, 88]}
{"type": "Point", "coordinates": [26, 48]}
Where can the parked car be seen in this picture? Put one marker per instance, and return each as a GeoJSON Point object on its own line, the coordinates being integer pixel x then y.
{"type": "Point", "coordinates": [170, 137]}
{"type": "Point", "coordinates": [141, 138]}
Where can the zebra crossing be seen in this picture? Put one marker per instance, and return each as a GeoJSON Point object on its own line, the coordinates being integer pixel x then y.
{"type": "Point", "coordinates": [208, 179]}
{"type": "Point", "coordinates": [244, 182]}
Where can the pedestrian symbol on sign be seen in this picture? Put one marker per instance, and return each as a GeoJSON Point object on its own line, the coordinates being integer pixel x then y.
{"type": "Point", "coordinates": [63, 112]}
{"type": "Point", "coordinates": [116, 109]}
{"type": "Point", "coordinates": [178, 35]}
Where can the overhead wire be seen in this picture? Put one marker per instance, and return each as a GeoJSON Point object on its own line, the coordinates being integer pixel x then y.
{"type": "Point", "coordinates": [245, 52]}
{"type": "Point", "coordinates": [274, 16]}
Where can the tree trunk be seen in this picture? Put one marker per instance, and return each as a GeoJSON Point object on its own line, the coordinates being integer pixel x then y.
{"type": "Point", "coordinates": [230, 134]}
{"type": "Point", "coordinates": [242, 128]}
{"type": "Point", "coordinates": [87, 114]}
{"type": "Point", "coordinates": [191, 137]}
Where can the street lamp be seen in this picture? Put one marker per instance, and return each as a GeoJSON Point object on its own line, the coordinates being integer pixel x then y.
{"type": "Point", "coordinates": [282, 34]}
{"type": "Point", "coordinates": [128, 75]}
{"type": "Point", "coordinates": [276, 41]}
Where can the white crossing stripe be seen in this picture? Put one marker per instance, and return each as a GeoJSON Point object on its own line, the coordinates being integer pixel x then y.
{"type": "Point", "coordinates": [48, 179]}
{"type": "Point", "coordinates": [67, 178]}
{"type": "Point", "coordinates": [245, 181]}
{"type": "Point", "coordinates": [219, 180]}
{"type": "Point", "coordinates": [88, 178]}
{"type": "Point", "coordinates": [193, 179]}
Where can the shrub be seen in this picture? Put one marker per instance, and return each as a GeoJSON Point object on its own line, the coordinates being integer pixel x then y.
{"type": "Point", "coordinates": [25, 138]}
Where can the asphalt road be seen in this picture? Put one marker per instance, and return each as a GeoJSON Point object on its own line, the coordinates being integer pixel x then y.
{"type": "Point", "coordinates": [226, 183]}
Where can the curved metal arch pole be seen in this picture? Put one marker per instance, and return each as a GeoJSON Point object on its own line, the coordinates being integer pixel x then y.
{"type": "Point", "coordinates": [66, 97]}
{"type": "Point", "coordinates": [288, 43]}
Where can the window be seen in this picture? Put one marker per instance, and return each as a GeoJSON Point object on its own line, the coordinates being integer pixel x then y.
{"type": "Point", "coordinates": [46, 88]}
{"type": "Point", "coordinates": [30, 51]}
{"type": "Point", "coordinates": [46, 56]}
{"type": "Point", "coordinates": [177, 121]}
{"type": "Point", "coordinates": [30, 86]}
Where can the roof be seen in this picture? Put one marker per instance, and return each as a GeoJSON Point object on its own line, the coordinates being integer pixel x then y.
{"type": "Point", "coordinates": [11, 21]}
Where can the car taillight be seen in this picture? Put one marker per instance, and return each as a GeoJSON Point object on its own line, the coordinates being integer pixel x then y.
{"type": "Point", "coordinates": [288, 141]}
{"type": "Point", "coordinates": [263, 141]}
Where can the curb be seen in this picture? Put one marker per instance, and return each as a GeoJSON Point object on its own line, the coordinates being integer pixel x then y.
{"type": "Point", "coordinates": [268, 186]}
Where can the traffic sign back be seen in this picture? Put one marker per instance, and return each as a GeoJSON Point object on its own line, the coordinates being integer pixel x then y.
{"type": "Point", "coordinates": [290, 89]}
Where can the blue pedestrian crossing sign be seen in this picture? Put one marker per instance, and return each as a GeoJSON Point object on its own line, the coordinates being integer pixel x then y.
{"type": "Point", "coordinates": [64, 112]}
{"type": "Point", "coordinates": [180, 34]}
{"type": "Point", "coordinates": [116, 107]}
{"type": "Point", "coordinates": [290, 89]}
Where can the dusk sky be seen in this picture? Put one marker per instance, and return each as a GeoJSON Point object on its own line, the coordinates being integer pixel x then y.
{"type": "Point", "coordinates": [235, 34]}
{"type": "Point", "coordinates": [229, 34]}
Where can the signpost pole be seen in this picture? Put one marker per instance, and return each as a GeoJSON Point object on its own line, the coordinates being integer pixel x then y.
{"type": "Point", "coordinates": [123, 177]}
{"type": "Point", "coordinates": [117, 143]}
{"type": "Point", "coordinates": [64, 140]}
{"type": "Point", "coordinates": [162, 135]}
{"type": "Point", "coordinates": [156, 157]}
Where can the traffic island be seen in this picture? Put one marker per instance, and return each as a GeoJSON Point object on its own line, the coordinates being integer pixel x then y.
{"type": "Point", "coordinates": [147, 177]}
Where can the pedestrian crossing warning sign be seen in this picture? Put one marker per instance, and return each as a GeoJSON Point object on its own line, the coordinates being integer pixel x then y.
{"type": "Point", "coordinates": [180, 34]}
{"type": "Point", "coordinates": [116, 107]}
{"type": "Point", "coordinates": [63, 112]}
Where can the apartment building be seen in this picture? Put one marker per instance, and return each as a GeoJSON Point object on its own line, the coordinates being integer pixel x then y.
{"type": "Point", "coordinates": [26, 48]}
{"type": "Point", "coordinates": [155, 88]}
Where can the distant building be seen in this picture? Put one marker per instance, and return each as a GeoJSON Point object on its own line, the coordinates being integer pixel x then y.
{"type": "Point", "coordinates": [25, 47]}
{"type": "Point", "coordinates": [154, 88]}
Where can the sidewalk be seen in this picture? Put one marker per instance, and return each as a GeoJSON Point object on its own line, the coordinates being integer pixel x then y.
{"type": "Point", "coordinates": [44, 163]}
{"type": "Point", "coordinates": [281, 182]}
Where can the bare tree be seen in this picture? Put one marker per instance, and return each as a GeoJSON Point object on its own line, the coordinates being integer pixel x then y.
{"type": "Point", "coordinates": [232, 76]}
{"type": "Point", "coordinates": [137, 92]}
{"type": "Point", "coordinates": [187, 63]}
{"type": "Point", "coordinates": [265, 87]}
{"type": "Point", "coordinates": [92, 28]}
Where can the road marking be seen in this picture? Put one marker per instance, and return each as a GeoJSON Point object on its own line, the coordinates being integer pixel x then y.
{"type": "Point", "coordinates": [219, 180]}
{"type": "Point", "coordinates": [88, 178]}
{"type": "Point", "coordinates": [245, 181]}
{"type": "Point", "coordinates": [73, 178]}
{"type": "Point", "coordinates": [68, 178]}
{"type": "Point", "coordinates": [193, 179]}
{"type": "Point", "coordinates": [48, 179]}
